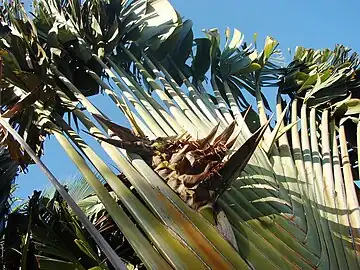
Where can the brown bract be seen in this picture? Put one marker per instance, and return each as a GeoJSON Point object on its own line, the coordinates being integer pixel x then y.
{"type": "Point", "coordinates": [193, 168]}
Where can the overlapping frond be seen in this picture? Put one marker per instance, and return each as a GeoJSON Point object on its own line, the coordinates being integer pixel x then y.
{"type": "Point", "coordinates": [286, 201]}
{"type": "Point", "coordinates": [8, 172]}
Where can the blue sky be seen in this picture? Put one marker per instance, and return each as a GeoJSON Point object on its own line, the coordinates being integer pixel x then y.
{"type": "Point", "coordinates": [310, 23]}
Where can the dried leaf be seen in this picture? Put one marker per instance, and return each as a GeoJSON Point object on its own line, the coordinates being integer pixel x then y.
{"type": "Point", "coordinates": [137, 147]}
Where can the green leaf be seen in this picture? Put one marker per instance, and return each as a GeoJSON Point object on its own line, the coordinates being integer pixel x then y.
{"type": "Point", "coordinates": [160, 25]}
{"type": "Point", "coordinates": [93, 207]}
{"type": "Point", "coordinates": [214, 37]}
{"type": "Point", "coordinates": [86, 249]}
{"type": "Point", "coordinates": [95, 26]}
{"type": "Point", "coordinates": [184, 44]}
{"type": "Point", "coordinates": [76, 10]}
{"type": "Point", "coordinates": [9, 60]}
{"type": "Point", "coordinates": [252, 120]}
{"type": "Point", "coordinates": [47, 263]}
{"type": "Point", "coordinates": [239, 159]}
{"type": "Point", "coordinates": [347, 108]}
{"type": "Point", "coordinates": [245, 64]}
{"type": "Point", "coordinates": [309, 81]}
{"type": "Point", "coordinates": [269, 141]}
{"type": "Point", "coordinates": [201, 61]}
{"type": "Point", "coordinates": [285, 129]}
{"type": "Point", "coordinates": [269, 48]}
{"type": "Point", "coordinates": [249, 69]}
{"type": "Point", "coordinates": [112, 37]}
{"type": "Point", "coordinates": [83, 52]}
{"type": "Point", "coordinates": [55, 251]}
{"type": "Point", "coordinates": [178, 45]}
{"type": "Point", "coordinates": [234, 44]}
{"type": "Point", "coordinates": [47, 242]}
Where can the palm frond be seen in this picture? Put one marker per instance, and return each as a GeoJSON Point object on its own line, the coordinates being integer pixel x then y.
{"type": "Point", "coordinates": [293, 205]}
{"type": "Point", "coordinates": [77, 186]}
{"type": "Point", "coordinates": [8, 172]}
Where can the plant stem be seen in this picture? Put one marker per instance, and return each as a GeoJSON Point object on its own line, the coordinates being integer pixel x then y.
{"type": "Point", "coordinates": [162, 236]}
{"type": "Point", "coordinates": [122, 106]}
{"type": "Point", "coordinates": [206, 117]}
{"type": "Point", "coordinates": [105, 247]}
{"type": "Point", "coordinates": [167, 205]}
{"type": "Point", "coordinates": [182, 120]}
{"type": "Point", "coordinates": [137, 240]}
{"type": "Point", "coordinates": [158, 113]}
{"type": "Point", "coordinates": [155, 125]}
{"type": "Point", "coordinates": [222, 105]}
{"type": "Point", "coordinates": [203, 127]}
{"type": "Point", "coordinates": [351, 198]}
